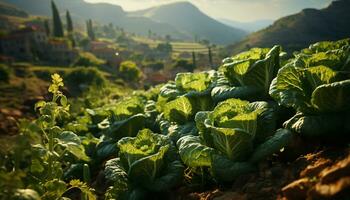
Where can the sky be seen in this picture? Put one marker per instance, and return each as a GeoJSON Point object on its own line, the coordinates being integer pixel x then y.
{"type": "Point", "coordinates": [238, 10]}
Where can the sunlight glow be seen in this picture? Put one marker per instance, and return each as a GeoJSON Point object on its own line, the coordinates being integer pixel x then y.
{"type": "Point", "coordinates": [240, 10]}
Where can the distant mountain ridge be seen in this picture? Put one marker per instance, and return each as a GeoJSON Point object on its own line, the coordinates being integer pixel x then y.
{"type": "Point", "coordinates": [185, 16]}
{"type": "Point", "coordinates": [297, 31]}
{"type": "Point", "coordinates": [180, 20]}
{"type": "Point", "coordinates": [251, 26]}
{"type": "Point", "coordinates": [9, 10]}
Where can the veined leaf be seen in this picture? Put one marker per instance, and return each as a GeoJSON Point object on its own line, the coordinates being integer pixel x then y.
{"type": "Point", "coordinates": [179, 110]}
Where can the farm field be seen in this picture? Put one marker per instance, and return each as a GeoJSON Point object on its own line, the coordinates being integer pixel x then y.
{"type": "Point", "coordinates": [265, 125]}
{"type": "Point", "coordinates": [178, 47]}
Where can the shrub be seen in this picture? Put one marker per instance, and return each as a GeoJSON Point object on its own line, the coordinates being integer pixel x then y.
{"type": "Point", "coordinates": [86, 59]}
{"type": "Point", "coordinates": [165, 47]}
{"type": "Point", "coordinates": [129, 71]}
{"type": "Point", "coordinates": [79, 79]}
{"type": "Point", "coordinates": [155, 65]}
{"type": "Point", "coordinates": [184, 64]}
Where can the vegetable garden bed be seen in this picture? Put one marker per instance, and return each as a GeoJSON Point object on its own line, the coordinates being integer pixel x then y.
{"type": "Point", "coordinates": [246, 131]}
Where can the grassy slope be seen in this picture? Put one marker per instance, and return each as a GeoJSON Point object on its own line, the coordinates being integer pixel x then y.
{"type": "Point", "coordinates": [297, 31]}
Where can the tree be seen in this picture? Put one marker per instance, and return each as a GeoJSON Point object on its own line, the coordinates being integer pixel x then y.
{"type": "Point", "coordinates": [57, 23]}
{"type": "Point", "coordinates": [47, 28]}
{"type": "Point", "coordinates": [69, 22]}
{"type": "Point", "coordinates": [210, 57]}
{"type": "Point", "coordinates": [89, 29]}
{"type": "Point", "coordinates": [165, 47]}
{"type": "Point", "coordinates": [129, 71]}
{"type": "Point", "coordinates": [168, 38]}
{"type": "Point", "coordinates": [185, 64]}
{"type": "Point", "coordinates": [149, 34]}
{"type": "Point", "coordinates": [194, 63]}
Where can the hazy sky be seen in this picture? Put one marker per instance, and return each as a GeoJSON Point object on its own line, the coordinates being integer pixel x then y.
{"type": "Point", "coordinates": [240, 10]}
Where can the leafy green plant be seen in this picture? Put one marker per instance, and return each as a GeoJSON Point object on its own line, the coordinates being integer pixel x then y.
{"type": "Point", "coordinates": [247, 75]}
{"type": "Point", "coordinates": [218, 137]}
{"type": "Point", "coordinates": [146, 163]}
{"type": "Point", "coordinates": [117, 120]}
{"type": "Point", "coordinates": [87, 59]}
{"type": "Point", "coordinates": [57, 145]}
{"type": "Point", "coordinates": [319, 94]}
{"type": "Point", "coordinates": [180, 100]}
{"type": "Point", "coordinates": [80, 79]}
{"type": "Point", "coordinates": [228, 136]}
{"type": "Point", "coordinates": [190, 85]}
{"type": "Point", "coordinates": [129, 71]}
{"type": "Point", "coordinates": [189, 94]}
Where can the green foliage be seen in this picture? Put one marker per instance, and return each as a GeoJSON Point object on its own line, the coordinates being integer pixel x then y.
{"type": "Point", "coordinates": [90, 30]}
{"type": "Point", "coordinates": [194, 62]}
{"type": "Point", "coordinates": [185, 64]}
{"type": "Point", "coordinates": [47, 28]}
{"type": "Point", "coordinates": [87, 59]}
{"type": "Point", "coordinates": [147, 162]}
{"type": "Point", "coordinates": [193, 85]}
{"type": "Point", "coordinates": [164, 47]}
{"type": "Point", "coordinates": [129, 71]}
{"type": "Point", "coordinates": [218, 137]}
{"type": "Point", "coordinates": [227, 137]}
{"type": "Point", "coordinates": [81, 78]}
{"type": "Point", "coordinates": [69, 22]}
{"type": "Point", "coordinates": [248, 75]}
{"type": "Point", "coordinates": [51, 149]}
{"type": "Point", "coordinates": [316, 84]}
{"type": "Point", "coordinates": [154, 65]}
{"type": "Point", "coordinates": [57, 23]}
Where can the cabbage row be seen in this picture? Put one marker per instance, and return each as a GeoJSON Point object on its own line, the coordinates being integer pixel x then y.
{"type": "Point", "coordinates": [224, 122]}
{"type": "Point", "coordinates": [217, 124]}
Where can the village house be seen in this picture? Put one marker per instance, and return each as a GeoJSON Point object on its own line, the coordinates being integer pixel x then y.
{"type": "Point", "coordinates": [104, 50]}
{"type": "Point", "coordinates": [109, 54]}
{"type": "Point", "coordinates": [61, 51]}
{"type": "Point", "coordinates": [31, 43]}
{"type": "Point", "coordinates": [24, 44]}
{"type": "Point", "coordinates": [91, 45]}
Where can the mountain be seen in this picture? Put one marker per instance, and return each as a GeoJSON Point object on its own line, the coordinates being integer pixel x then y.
{"type": "Point", "coordinates": [248, 26]}
{"type": "Point", "coordinates": [100, 12]}
{"type": "Point", "coordinates": [9, 10]}
{"type": "Point", "coordinates": [180, 20]}
{"type": "Point", "coordinates": [297, 31]}
{"type": "Point", "coordinates": [190, 20]}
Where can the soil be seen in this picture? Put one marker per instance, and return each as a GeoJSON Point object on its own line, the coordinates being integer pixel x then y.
{"type": "Point", "coordinates": [323, 173]}
{"type": "Point", "coordinates": [17, 101]}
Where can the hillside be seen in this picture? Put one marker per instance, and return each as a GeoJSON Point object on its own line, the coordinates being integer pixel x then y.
{"type": "Point", "coordinates": [185, 16]}
{"type": "Point", "coordinates": [9, 10]}
{"type": "Point", "coordinates": [299, 30]}
{"type": "Point", "coordinates": [251, 26]}
{"type": "Point", "coordinates": [170, 19]}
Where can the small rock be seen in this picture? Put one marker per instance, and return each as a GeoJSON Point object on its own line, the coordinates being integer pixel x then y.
{"type": "Point", "coordinates": [330, 191]}
{"type": "Point", "coordinates": [333, 173]}
{"type": "Point", "coordinates": [315, 168]}
{"type": "Point", "coordinates": [297, 189]}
